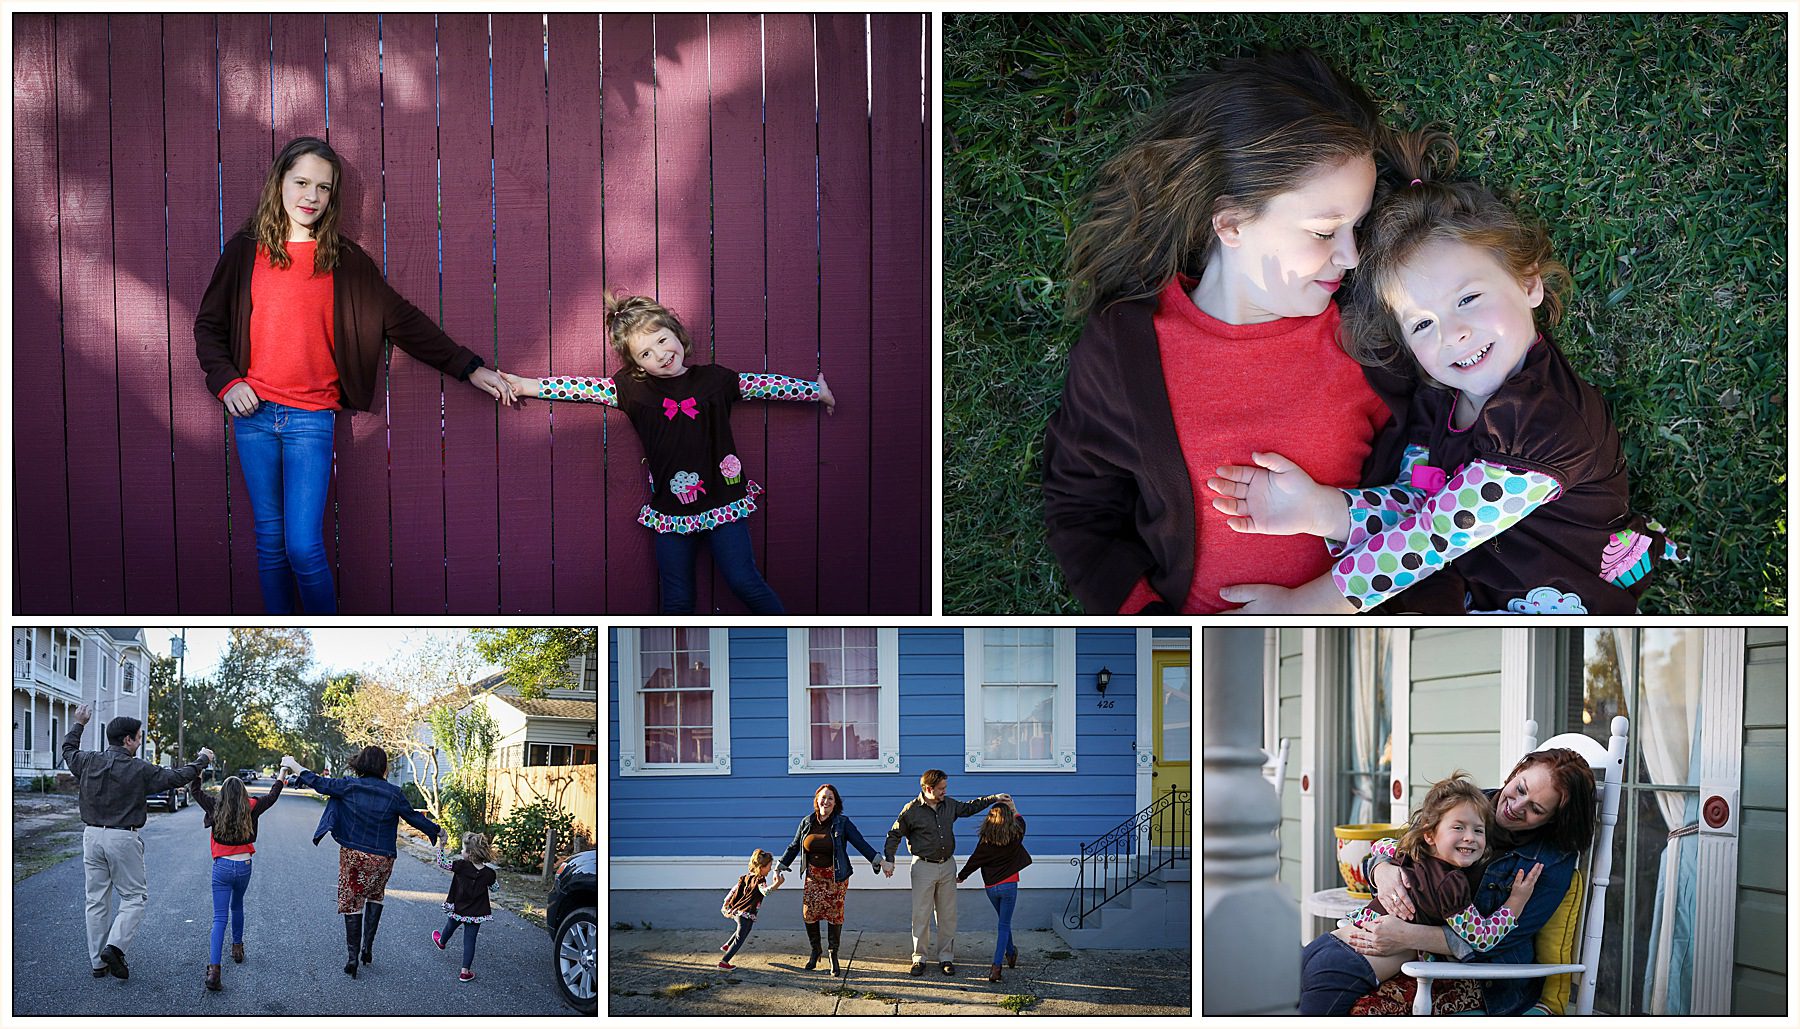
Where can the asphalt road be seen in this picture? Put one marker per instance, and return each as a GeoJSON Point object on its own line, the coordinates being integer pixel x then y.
{"type": "Point", "coordinates": [293, 937]}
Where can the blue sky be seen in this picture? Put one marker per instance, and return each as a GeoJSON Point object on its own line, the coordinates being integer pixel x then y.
{"type": "Point", "coordinates": [334, 650]}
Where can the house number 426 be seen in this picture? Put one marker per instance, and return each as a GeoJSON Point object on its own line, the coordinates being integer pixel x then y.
{"type": "Point", "coordinates": [1105, 703]}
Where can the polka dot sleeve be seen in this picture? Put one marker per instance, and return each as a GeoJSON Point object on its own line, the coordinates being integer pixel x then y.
{"type": "Point", "coordinates": [765, 386]}
{"type": "Point", "coordinates": [1375, 510]}
{"type": "Point", "coordinates": [573, 387]}
{"type": "Point", "coordinates": [1483, 932]}
{"type": "Point", "coordinates": [1478, 503]}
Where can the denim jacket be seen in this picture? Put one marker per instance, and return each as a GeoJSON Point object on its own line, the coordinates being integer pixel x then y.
{"type": "Point", "coordinates": [842, 831]}
{"type": "Point", "coordinates": [363, 813]}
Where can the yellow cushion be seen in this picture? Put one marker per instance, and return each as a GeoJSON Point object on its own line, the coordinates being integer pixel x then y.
{"type": "Point", "coordinates": [1556, 945]}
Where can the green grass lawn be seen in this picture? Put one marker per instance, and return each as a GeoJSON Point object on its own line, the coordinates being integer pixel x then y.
{"type": "Point", "coordinates": [1653, 146]}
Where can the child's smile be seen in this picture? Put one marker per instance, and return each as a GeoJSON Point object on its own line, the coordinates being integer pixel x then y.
{"type": "Point", "coordinates": [659, 353]}
{"type": "Point", "coordinates": [1465, 318]}
{"type": "Point", "coordinates": [1460, 837]}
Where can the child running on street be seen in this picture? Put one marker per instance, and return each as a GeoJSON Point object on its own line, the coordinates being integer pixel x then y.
{"type": "Point", "coordinates": [472, 879]}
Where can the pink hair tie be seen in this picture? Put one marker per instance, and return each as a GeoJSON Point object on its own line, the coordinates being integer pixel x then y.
{"type": "Point", "coordinates": [1415, 182]}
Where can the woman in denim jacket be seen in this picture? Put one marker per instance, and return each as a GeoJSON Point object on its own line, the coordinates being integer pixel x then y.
{"type": "Point", "coordinates": [362, 815]}
{"type": "Point", "coordinates": [1544, 816]}
{"type": "Point", "coordinates": [826, 836]}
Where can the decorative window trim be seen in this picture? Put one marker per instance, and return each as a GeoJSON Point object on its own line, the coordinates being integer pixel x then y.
{"type": "Point", "coordinates": [1062, 740]}
{"type": "Point", "coordinates": [631, 717]}
{"type": "Point", "coordinates": [887, 658]}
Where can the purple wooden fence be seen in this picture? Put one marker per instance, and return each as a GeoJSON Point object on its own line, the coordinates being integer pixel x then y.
{"type": "Point", "coordinates": [764, 176]}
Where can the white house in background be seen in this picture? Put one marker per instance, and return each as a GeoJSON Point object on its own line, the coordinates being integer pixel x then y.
{"type": "Point", "coordinates": [1373, 716]}
{"type": "Point", "coordinates": [55, 671]}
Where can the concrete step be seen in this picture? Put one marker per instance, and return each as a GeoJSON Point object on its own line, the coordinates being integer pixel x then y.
{"type": "Point", "coordinates": [1149, 916]}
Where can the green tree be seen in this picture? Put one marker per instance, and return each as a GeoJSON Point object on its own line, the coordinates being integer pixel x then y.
{"type": "Point", "coordinates": [460, 793]}
{"type": "Point", "coordinates": [537, 659]}
{"type": "Point", "coordinates": [159, 728]}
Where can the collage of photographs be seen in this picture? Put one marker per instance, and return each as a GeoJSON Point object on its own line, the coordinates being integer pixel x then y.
{"type": "Point", "coordinates": [1415, 384]}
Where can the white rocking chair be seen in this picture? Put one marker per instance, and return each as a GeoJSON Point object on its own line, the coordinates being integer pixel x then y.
{"type": "Point", "coordinates": [1595, 867]}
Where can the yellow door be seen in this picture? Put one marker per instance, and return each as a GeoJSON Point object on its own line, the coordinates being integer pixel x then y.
{"type": "Point", "coordinates": [1172, 724]}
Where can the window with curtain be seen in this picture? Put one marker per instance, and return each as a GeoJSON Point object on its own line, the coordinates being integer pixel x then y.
{"type": "Point", "coordinates": [1018, 693]}
{"type": "Point", "coordinates": [1367, 748]}
{"type": "Point", "coordinates": [1652, 677]}
{"type": "Point", "coordinates": [676, 685]}
{"type": "Point", "coordinates": [843, 694]}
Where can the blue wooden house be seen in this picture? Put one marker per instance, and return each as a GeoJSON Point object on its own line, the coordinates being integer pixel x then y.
{"type": "Point", "coordinates": [718, 738]}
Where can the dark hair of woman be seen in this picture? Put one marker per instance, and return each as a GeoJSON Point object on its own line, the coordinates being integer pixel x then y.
{"type": "Point", "coordinates": [370, 763]}
{"type": "Point", "coordinates": [1571, 828]}
{"type": "Point", "coordinates": [837, 803]}
{"type": "Point", "coordinates": [1001, 826]}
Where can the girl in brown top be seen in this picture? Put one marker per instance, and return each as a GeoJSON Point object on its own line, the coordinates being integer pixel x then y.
{"type": "Point", "coordinates": [232, 818]}
{"type": "Point", "coordinates": [471, 879]}
{"type": "Point", "coordinates": [1000, 855]}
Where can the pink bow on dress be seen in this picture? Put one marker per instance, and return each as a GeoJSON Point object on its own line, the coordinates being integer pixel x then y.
{"type": "Point", "coordinates": [1428, 478]}
{"type": "Point", "coordinates": [686, 407]}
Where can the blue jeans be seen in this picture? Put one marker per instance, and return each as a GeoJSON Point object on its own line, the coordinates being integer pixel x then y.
{"type": "Point", "coordinates": [285, 453]}
{"type": "Point", "coordinates": [744, 924]}
{"type": "Point", "coordinates": [470, 930]}
{"type": "Point", "coordinates": [229, 880]}
{"type": "Point", "coordinates": [1333, 977]}
{"type": "Point", "coordinates": [1004, 897]}
{"type": "Point", "coordinates": [732, 556]}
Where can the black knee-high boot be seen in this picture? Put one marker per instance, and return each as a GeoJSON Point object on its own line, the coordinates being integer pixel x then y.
{"type": "Point", "coordinates": [371, 919]}
{"type": "Point", "coordinates": [837, 933]}
{"type": "Point", "coordinates": [812, 933]}
{"type": "Point", "coordinates": [352, 937]}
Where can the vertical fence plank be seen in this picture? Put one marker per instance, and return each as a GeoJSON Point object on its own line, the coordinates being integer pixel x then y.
{"type": "Point", "coordinates": [202, 514]}
{"type": "Point", "coordinates": [896, 145]}
{"type": "Point", "coordinates": [409, 148]}
{"type": "Point", "coordinates": [577, 324]}
{"type": "Point", "coordinates": [521, 203]}
{"type": "Point", "coordinates": [40, 468]}
{"type": "Point", "coordinates": [628, 98]}
{"type": "Point", "coordinates": [144, 330]}
{"type": "Point", "coordinates": [471, 527]}
{"type": "Point", "coordinates": [794, 530]}
{"type": "Point", "coordinates": [245, 150]}
{"type": "Point", "coordinates": [684, 198]}
{"type": "Point", "coordinates": [739, 331]}
{"type": "Point", "coordinates": [364, 552]}
{"type": "Point", "coordinates": [90, 353]}
{"type": "Point", "coordinates": [844, 317]}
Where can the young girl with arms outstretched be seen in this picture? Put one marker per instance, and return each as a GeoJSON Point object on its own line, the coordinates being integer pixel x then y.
{"type": "Point", "coordinates": [291, 330]}
{"type": "Point", "coordinates": [467, 905]}
{"type": "Point", "coordinates": [232, 817]}
{"type": "Point", "coordinates": [1513, 475]}
{"type": "Point", "coordinates": [699, 491]}
{"type": "Point", "coordinates": [744, 900]}
{"type": "Point", "coordinates": [1441, 851]}
{"type": "Point", "coordinates": [1206, 269]}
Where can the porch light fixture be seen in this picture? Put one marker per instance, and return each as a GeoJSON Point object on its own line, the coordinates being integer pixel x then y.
{"type": "Point", "coordinates": [1101, 678]}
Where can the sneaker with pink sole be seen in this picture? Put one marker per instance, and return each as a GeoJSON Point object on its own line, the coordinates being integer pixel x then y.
{"type": "Point", "coordinates": [726, 965]}
{"type": "Point", "coordinates": [465, 976]}
{"type": "Point", "coordinates": [437, 938]}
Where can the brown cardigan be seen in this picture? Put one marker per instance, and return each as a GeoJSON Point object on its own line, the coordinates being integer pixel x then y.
{"type": "Point", "coordinates": [1118, 503]}
{"type": "Point", "coordinates": [365, 312]}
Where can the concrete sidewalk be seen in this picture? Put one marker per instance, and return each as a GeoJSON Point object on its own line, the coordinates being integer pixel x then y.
{"type": "Point", "coordinates": [674, 972]}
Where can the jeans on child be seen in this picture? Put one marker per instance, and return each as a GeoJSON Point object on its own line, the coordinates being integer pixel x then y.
{"type": "Point", "coordinates": [732, 556]}
{"type": "Point", "coordinates": [285, 453]}
{"type": "Point", "coordinates": [470, 931]}
{"type": "Point", "coordinates": [1004, 897]}
{"type": "Point", "coordinates": [1332, 977]}
{"type": "Point", "coordinates": [229, 880]}
{"type": "Point", "coordinates": [736, 943]}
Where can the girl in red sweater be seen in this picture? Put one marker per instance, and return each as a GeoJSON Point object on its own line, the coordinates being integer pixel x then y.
{"type": "Point", "coordinates": [232, 818]}
{"type": "Point", "coordinates": [1000, 855]}
{"type": "Point", "coordinates": [1206, 267]}
{"type": "Point", "coordinates": [292, 329]}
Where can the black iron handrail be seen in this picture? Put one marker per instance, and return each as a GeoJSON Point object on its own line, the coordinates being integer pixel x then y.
{"type": "Point", "coordinates": [1126, 856]}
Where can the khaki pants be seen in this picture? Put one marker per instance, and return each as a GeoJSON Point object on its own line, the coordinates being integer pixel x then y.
{"type": "Point", "coordinates": [113, 862]}
{"type": "Point", "coordinates": [933, 886]}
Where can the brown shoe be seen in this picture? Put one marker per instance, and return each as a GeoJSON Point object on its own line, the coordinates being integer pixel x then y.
{"type": "Point", "coordinates": [993, 973]}
{"type": "Point", "coordinates": [212, 977]}
{"type": "Point", "coordinates": [1012, 958]}
{"type": "Point", "coordinates": [237, 953]}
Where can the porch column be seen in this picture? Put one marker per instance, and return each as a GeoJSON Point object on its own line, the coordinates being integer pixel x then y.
{"type": "Point", "coordinates": [1250, 958]}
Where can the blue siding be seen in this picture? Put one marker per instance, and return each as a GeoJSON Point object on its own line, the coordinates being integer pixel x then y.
{"type": "Point", "coordinates": [759, 804]}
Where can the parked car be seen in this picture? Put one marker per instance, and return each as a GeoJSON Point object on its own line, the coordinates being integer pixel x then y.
{"type": "Point", "coordinates": [248, 775]}
{"type": "Point", "coordinates": [171, 799]}
{"type": "Point", "coordinates": [571, 916]}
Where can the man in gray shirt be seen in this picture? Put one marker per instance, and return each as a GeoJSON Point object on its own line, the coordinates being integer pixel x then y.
{"type": "Point", "coordinates": [927, 823]}
{"type": "Point", "coordinates": [113, 784]}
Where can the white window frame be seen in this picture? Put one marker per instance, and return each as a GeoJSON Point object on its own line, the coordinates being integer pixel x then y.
{"type": "Point", "coordinates": [887, 659]}
{"type": "Point", "coordinates": [1062, 740]}
{"type": "Point", "coordinates": [128, 677]}
{"type": "Point", "coordinates": [631, 715]}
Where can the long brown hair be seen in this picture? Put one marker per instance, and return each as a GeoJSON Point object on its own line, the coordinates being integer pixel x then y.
{"type": "Point", "coordinates": [627, 315]}
{"type": "Point", "coordinates": [1416, 204]}
{"type": "Point", "coordinates": [269, 225]}
{"type": "Point", "coordinates": [1571, 828]}
{"type": "Point", "coordinates": [232, 823]}
{"type": "Point", "coordinates": [1233, 137]}
{"type": "Point", "coordinates": [1001, 826]}
{"type": "Point", "coordinates": [837, 802]}
{"type": "Point", "coordinates": [1444, 795]}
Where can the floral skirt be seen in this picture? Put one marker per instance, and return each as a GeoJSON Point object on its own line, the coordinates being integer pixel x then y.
{"type": "Point", "coordinates": [361, 878]}
{"type": "Point", "coordinates": [822, 898]}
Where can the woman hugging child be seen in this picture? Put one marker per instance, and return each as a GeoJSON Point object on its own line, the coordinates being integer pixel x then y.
{"type": "Point", "coordinates": [745, 898]}
{"type": "Point", "coordinates": [1442, 851]}
{"type": "Point", "coordinates": [699, 491]}
{"type": "Point", "coordinates": [1513, 476]}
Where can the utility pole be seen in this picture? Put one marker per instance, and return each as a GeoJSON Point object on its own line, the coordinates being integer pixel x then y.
{"type": "Point", "coordinates": [180, 648]}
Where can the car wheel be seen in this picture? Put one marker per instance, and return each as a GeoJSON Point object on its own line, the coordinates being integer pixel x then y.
{"type": "Point", "coordinates": [575, 949]}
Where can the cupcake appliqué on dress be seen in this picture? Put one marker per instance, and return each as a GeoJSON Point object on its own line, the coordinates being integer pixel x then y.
{"type": "Point", "coordinates": [1626, 559]}
{"type": "Point", "coordinates": [732, 469]}
{"type": "Point", "coordinates": [687, 486]}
